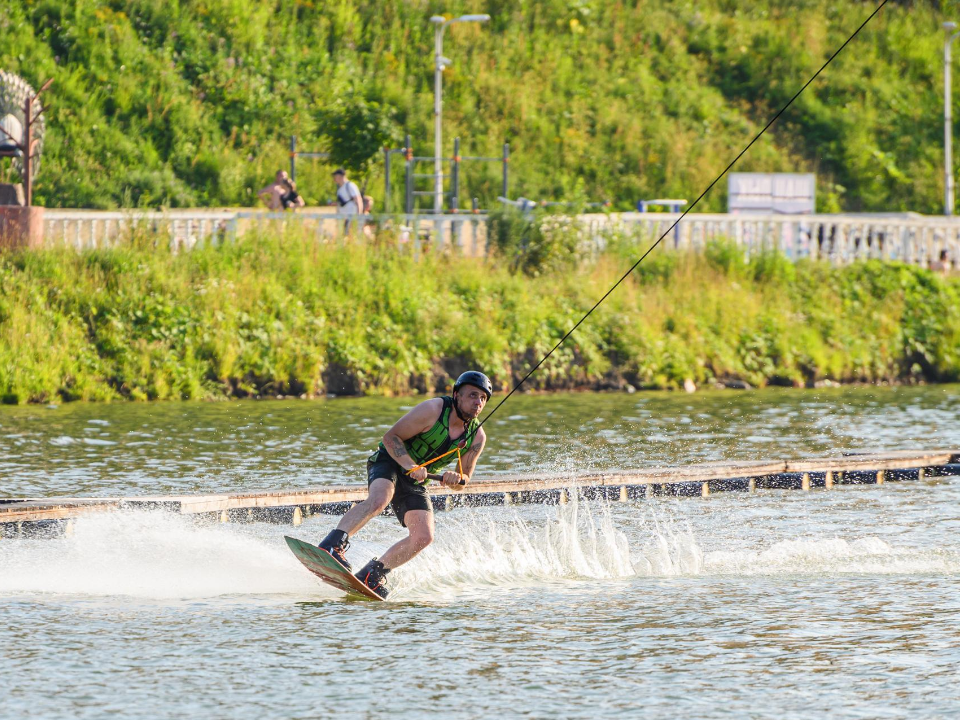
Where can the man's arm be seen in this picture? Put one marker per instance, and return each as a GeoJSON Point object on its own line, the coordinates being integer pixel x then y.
{"type": "Point", "coordinates": [273, 194]}
{"type": "Point", "coordinates": [418, 420]}
{"type": "Point", "coordinates": [358, 199]}
{"type": "Point", "coordinates": [468, 461]}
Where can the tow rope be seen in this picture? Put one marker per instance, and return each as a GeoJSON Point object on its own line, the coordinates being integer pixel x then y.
{"type": "Point", "coordinates": [682, 216]}
{"type": "Point", "coordinates": [425, 463]}
{"type": "Point", "coordinates": [655, 244]}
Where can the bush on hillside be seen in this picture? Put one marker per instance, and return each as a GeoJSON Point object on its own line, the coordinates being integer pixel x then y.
{"type": "Point", "coordinates": [537, 242]}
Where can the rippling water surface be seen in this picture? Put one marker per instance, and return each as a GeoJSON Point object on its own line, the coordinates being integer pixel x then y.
{"type": "Point", "coordinates": [840, 603]}
{"type": "Point", "coordinates": [130, 449]}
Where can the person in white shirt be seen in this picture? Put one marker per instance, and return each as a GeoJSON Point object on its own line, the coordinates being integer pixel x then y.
{"type": "Point", "coordinates": [348, 196]}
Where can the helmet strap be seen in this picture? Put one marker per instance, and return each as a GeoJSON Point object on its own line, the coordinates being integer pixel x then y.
{"type": "Point", "coordinates": [456, 408]}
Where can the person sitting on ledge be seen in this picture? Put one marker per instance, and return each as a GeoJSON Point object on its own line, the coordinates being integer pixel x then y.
{"type": "Point", "coordinates": [273, 193]}
{"type": "Point", "coordinates": [943, 265]}
{"type": "Point", "coordinates": [291, 198]}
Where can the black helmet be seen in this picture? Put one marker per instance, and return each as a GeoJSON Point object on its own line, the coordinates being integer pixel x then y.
{"type": "Point", "coordinates": [477, 379]}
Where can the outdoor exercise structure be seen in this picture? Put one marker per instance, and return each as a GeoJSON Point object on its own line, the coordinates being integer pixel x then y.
{"type": "Point", "coordinates": [411, 176]}
{"type": "Point", "coordinates": [55, 516]}
{"type": "Point", "coordinates": [456, 161]}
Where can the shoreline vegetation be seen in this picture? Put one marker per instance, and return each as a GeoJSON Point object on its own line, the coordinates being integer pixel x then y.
{"type": "Point", "coordinates": [267, 316]}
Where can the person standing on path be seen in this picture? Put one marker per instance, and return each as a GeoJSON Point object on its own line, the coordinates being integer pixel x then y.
{"type": "Point", "coordinates": [348, 197]}
{"type": "Point", "coordinates": [431, 435]}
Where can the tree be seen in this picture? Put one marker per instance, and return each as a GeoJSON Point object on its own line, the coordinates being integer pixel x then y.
{"type": "Point", "coordinates": [355, 129]}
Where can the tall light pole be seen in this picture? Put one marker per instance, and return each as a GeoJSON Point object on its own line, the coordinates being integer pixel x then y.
{"type": "Point", "coordinates": [440, 62]}
{"type": "Point", "coordinates": [948, 120]}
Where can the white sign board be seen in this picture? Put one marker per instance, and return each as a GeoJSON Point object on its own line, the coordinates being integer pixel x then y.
{"type": "Point", "coordinates": [769, 193]}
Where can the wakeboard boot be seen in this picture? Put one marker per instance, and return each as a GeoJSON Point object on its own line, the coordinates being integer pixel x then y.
{"type": "Point", "coordinates": [373, 575]}
{"type": "Point", "coordinates": [336, 543]}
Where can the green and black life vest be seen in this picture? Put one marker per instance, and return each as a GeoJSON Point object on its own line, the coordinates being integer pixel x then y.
{"type": "Point", "coordinates": [436, 441]}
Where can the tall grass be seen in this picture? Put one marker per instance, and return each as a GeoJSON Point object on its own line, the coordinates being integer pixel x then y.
{"type": "Point", "coordinates": [269, 315]}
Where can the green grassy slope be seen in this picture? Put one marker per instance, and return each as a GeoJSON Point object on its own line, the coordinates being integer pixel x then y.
{"type": "Point", "coordinates": [283, 316]}
{"type": "Point", "coordinates": [191, 103]}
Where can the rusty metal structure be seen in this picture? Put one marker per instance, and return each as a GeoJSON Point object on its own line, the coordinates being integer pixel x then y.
{"type": "Point", "coordinates": [22, 127]}
{"type": "Point", "coordinates": [22, 131]}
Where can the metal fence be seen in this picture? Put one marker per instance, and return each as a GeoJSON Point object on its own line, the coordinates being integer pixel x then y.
{"type": "Point", "coordinates": [839, 239]}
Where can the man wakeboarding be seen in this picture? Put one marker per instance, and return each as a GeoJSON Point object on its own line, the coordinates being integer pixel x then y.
{"type": "Point", "coordinates": [431, 435]}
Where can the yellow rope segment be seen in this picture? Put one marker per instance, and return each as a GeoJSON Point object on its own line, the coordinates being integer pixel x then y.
{"type": "Point", "coordinates": [456, 450]}
{"type": "Point", "coordinates": [433, 460]}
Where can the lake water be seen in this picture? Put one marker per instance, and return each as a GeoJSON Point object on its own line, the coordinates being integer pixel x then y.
{"type": "Point", "coordinates": [840, 603]}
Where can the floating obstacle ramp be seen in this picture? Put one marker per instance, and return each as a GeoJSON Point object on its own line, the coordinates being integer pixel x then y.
{"type": "Point", "coordinates": [55, 515]}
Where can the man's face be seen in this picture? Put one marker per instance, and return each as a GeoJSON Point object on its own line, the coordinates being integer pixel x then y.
{"type": "Point", "coordinates": [339, 179]}
{"type": "Point", "coordinates": [470, 400]}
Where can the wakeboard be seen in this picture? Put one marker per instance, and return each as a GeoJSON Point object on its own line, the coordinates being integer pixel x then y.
{"type": "Point", "coordinates": [322, 564]}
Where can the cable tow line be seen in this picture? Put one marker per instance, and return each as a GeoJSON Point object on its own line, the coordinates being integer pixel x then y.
{"type": "Point", "coordinates": [677, 221]}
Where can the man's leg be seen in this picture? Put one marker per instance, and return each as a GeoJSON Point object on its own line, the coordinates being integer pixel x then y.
{"type": "Point", "coordinates": [379, 496]}
{"type": "Point", "coordinates": [420, 525]}
{"type": "Point", "coordinates": [336, 542]}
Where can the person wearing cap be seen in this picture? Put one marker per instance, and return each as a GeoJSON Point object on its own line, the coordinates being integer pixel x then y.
{"type": "Point", "coordinates": [348, 196]}
{"type": "Point", "coordinates": [434, 434]}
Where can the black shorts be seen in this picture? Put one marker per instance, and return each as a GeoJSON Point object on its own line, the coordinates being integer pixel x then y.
{"type": "Point", "coordinates": [407, 495]}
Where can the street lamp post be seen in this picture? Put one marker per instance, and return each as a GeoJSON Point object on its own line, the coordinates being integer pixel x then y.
{"type": "Point", "coordinates": [440, 62]}
{"type": "Point", "coordinates": [948, 120]}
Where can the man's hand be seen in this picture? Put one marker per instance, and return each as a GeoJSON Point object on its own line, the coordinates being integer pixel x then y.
{"type": "Point", "coordinates": [419, 475]}
{"type": "Point", "coordinates": [451, 478]}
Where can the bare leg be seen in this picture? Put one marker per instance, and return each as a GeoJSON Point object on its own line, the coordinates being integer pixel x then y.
{"type": "Point", "coordinates": [420, 525]}
{"type": "Point", "coordinates": [380, 495]}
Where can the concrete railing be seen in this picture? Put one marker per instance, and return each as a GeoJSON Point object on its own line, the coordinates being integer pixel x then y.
{"type": "Point", "coordinates": [840, 239]}
{"type": "Point", "coordinates": [87, 229]}
{"type": "Point", "coordinates": [185, 229]}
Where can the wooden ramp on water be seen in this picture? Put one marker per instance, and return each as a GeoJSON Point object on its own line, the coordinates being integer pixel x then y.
{"type": "Point", "coordinates": [55, 515]}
